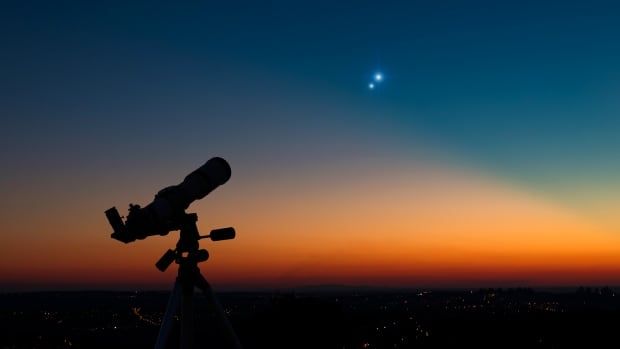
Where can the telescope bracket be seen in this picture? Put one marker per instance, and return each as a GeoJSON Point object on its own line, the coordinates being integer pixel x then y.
{"type": "Point", "coordinates": [188, 251]}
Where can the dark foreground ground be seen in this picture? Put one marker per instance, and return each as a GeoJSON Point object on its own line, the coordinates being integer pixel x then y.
{"type": "Point", "coordinates": [490, 318]}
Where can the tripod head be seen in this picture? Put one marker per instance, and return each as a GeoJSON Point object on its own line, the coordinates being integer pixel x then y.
{"type": "Point", "coordinates": [188, 250]}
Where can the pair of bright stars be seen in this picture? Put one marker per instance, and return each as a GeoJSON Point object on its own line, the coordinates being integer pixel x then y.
{"type": "Point", "coordinates": [376, 80]}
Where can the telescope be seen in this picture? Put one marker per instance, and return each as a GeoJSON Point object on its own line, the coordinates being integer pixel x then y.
{"type": "Point", "coordinates": [167, 211]}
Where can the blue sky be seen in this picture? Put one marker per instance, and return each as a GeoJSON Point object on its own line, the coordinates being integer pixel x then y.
{"type": "Point", "coordinates": [509, 106]}
{"type": "Point", "coordinates": [524, 90]}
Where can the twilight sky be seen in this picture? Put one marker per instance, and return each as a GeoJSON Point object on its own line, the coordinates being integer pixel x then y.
{"type": "Point", "coordinates": [487, 157]}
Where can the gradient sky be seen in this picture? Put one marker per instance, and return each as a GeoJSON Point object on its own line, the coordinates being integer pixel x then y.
{"type": "Point", "coordinates": [487, 157]}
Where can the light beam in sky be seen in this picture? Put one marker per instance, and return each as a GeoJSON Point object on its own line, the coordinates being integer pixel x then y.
{"type": "Point", "coordinates": [378, 77]}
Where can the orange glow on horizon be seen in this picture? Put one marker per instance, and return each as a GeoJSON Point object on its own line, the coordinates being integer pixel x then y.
{"type": "Point", "coordinates": [424, 225]}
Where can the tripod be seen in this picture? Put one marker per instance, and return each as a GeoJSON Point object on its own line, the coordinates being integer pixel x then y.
{"type": "Point", "coordinates": [187, 255]}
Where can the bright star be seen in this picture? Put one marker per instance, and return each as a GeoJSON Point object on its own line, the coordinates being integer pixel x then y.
{"type": "Point", "coordinates": [371, 86]}
{"type": "Point", "coordinates": [378, 77]}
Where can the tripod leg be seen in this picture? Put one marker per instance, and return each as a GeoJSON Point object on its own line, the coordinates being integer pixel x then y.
{"type": "Point", "coordinates": [187, 314]}
{"type": "Point", "coordinates": [166, 323]}
{"type": "Point", "coordinates": [229, 333]}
